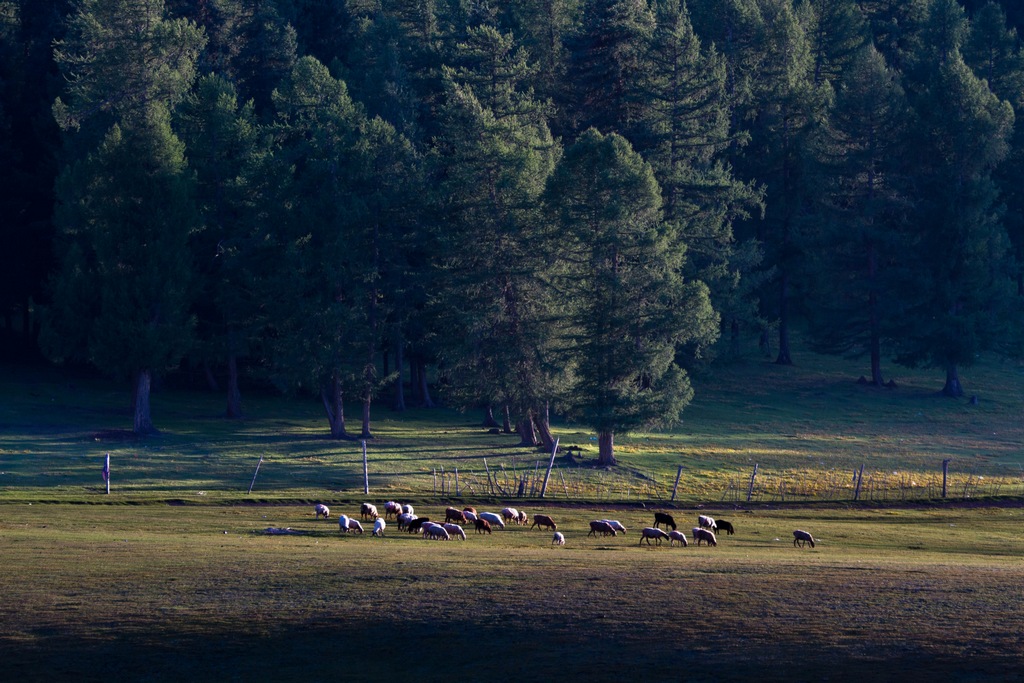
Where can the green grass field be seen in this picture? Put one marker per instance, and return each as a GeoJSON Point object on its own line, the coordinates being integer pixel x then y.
{"type": "Point", "coordinates": [172, 577]}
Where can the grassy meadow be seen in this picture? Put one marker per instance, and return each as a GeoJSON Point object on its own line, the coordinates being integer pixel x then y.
{"type": "Point", "coordinates": [173, 576]}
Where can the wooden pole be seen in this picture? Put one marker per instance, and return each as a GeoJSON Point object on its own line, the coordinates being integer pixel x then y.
{"type": "Point", "coordinates": [366, 472]}
{"type": "Point", "coordinates": [488, 470]}
{"type": "Point", "coordinates": [434, 471]}
{"type": "Point", "coordinates": [564, 487]}
{"type": "Point", "coordinates": [106, 473]}
{"type": "Point", "coordinates": [253, 482]}
{"type": "Point", "coordinates": [551, 463]}
{"type": "Point", "coordinates": [945, 474]}
{"type": "Point", "coordinates": [458, 493]}
{"type": "Point", "coordinates": [860, 478]}
{"type": "Point", "coordinates": [750, 489]}
{"type": "Point", "coordinates": [675, 487]}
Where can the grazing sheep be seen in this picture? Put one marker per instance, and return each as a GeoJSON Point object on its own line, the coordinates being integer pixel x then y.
{"type": "Point", "coordinates": [354, 525]}
{"type": "Point", "coordinates": [392, 509]}
{"type": "Point", "coordinates": [523, 520]}
{"type": "Point", "coordinates": [482, 525]}
{"type": "Point", "coordinates": [540, 521]}
{"type": "Point", "coordinates": [674, 536]}
{"type": "Point", "coordinates": [664, 518]}
{"type": "Point", "coordinates": [407, 509]}
{"type": "Point", "coordinates": [403, 520]}
{"type": "Point", "coordinates": [495, 520]}
{"type": "Point", "coordinates": [510, 515]}
{"type": "Point", "coordinates": [454, 515]}
{"type": "Point", "coordinates": [558, 539]}
{"type": "Point", "coordinates": [469, 515]}
{"type": "Point", "coordinates": [801, 537]}
{"type": "Point", "coordinates": [455, 530]}
{"type": "Point", "coordinates": [615, 524]}
{"type": "Point", "coordinates": [378, 526]}
{"type": "Point", "coordinates": [724, 526]}
{"type": "Point", "coordinates": [368, 511]}
{"type": "Point", "coordinates": [321, 509]}
{"type": "Point", "coordinates": [469, 508]}
{"type": "Point", "coordinates": [426, 527]}
{"type": "Point", "coordinates": [343, 524]}
{"type": "Point", "coordinates": [705, 535]}
{"type": "Point", "coordinates": [438, 533]}
{"type": "Point", "coordinates": [705, 522]}
{"type": "Point", "coordinates": [649, 532]}
{"type": "Point", "coordinates": [604, 528]}
{"type": "Point", "coordinates": [415, 525]}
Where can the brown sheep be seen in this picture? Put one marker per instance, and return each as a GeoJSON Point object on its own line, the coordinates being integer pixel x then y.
{"type": "Point", "coordinates": [454, 515]}
{"type": "Point", "coordinates": [482, 525]}
{"type": "Point", "coordinates": [604, 528]}
{"type": "Point", "coordinates": [541, 521]}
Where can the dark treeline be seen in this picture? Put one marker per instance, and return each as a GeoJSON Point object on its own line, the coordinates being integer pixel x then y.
{"type": "Point", "coordinates": [524, 207]}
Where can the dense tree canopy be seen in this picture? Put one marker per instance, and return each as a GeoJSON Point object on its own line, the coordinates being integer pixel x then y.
{"type": "Point", "coordinates": [525, 207]}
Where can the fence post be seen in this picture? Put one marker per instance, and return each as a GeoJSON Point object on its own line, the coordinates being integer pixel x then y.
{"type": "Point", "coordinates": [860, 478]}
{"type": "Point", "coordinates": [457, 493]}
{"type": "Point", "coordinates": [679, 473]}
{"type": "Point", "coordinates": [750, 489]}
{"type": "Point", "coordinates": [945, 473]}
{"type": "Point", "coordinates": [547, 475]}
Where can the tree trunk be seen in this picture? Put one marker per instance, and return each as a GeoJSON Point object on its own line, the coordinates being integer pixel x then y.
{"type": "Point", "coordinates": [953, 387]}
{"type": "Point", "coordinates": [335, 408]}
{"type": "Point", "coordinates": [489, 421]}
{"type": "Point", "coordinates": [211, 379]}
{"type": "Point", "coordinates": [365, 434]}
{"type": "Point", "coordinates": [544, 430]}
{"type": "Point", "coordinates": [528, 437]}
{"type": "Point", "coordinates": [142, 417]}
{"type": "Point", "coordinates": [399, 399]}
{"type": "Point", "coordinates": [606, 449]}
{"type": "Point", "coordinates": [507, 427]}
{"type": "Point", "coordinates": [424, 386]}
{"type": "Point", "coordinates": [234, 394]}
{"type": "Point", "coordinates": [784, 357]}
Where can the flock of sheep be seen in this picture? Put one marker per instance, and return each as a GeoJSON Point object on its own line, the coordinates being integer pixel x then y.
{"type": "Point", "coordinates": [455, 520]}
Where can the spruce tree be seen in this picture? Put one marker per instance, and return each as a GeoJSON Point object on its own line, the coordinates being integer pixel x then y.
{"type": "Point", "coordinates": [961, 267]}
{"type": "Point", "coordinates": [126, 210]}
{"type": "Point", "coordinates": [624, 306]}
{"type": "Point", "coordinates": [857, 236]}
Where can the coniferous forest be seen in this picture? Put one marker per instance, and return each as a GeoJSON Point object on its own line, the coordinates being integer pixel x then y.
{"type": "Point", "coordinates": [515, 207]}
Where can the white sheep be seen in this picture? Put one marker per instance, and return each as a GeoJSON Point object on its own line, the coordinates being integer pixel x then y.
{"type": "Point", "coordinates": [321, 509]}
{"type": "Point", "coordinates": [438, 532]}
{"type": "Point", "coordinates": [674, 536]}
{"type": "Point", "coordinates": [558, 538]}
{"type": "Point", "coordinates": [354, 525]}
{"type": "Point", "coordinates": [343, 524]}
{"type": "Point", "coordinates": [649, 532]}
{"type": "Point", "coordinates": [705, 522]}
{"type": "Point", "coordinates": [404, 519]}
{"type": "Point", "coordinates": [470, 515]}
{"type": "Point", "coordinates": [392, 509]}
{"type": "Point", "coordinates": [510, 515]}
{"type": "Point", "coordinates": [455, 530]}
{"type": "Point", "coordinates": [378, 526]}
{"type": "Point", "coordinates": [801, 537]}
{"type": "Point", "coordinates": [407, 509]}
{"type": "Point", "coordinates": [615, 524]}
{"type": "Point", "coordinates": [494, 519]}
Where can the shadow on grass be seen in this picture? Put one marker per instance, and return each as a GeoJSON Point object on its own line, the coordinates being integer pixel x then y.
{"type": "Point", "coordinates": [446, 652]}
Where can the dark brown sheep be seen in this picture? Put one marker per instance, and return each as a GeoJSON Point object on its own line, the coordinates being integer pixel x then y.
{"type": "Point", "coordinates": [541, 521]}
